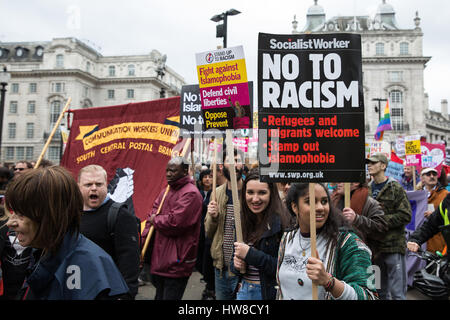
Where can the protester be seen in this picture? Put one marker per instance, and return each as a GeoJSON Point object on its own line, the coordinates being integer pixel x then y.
{"type": "Point", "coordinates": [283, 188]}
{"type": "Point", "coordinates": [364, 214]}
{"type": "Point", "coordinates": [436, 193]}
{"type": "Point", "coordinates": [177, 230]}
{"type": "Point", "coordinates": [22, 167]}
{"type": "Point", "coordinates": [121, 243]}
{"type": "Point", "coordinates": [443, 179]}
{"type": "Point", "coordinates": [204, 260]}
{"type": "Point", "coordinates": [407, 181]}
{"type": "Point", "coordinates": [264, 219]}
{"type": "Point", "coordinates": [397, 214]}
{"type": "Point", "coordinates": [208, 266]}
{"type": "Point", "coordinates": [205, 182]}
{"type": "Point", "coordinates": [341, 270]}
{"type": "Point", "coordinates": [45, 207]}
{"type": "Point", "coordinates": [437, 222]}
{"type": "Point", "coordinates": [219, 226]}
{"type": "Point", "coordinates": [45, 163]}
{"type": "Point", "coordinates": [14, 258]}
{"type": "Point", "coordinates": [6, 176]}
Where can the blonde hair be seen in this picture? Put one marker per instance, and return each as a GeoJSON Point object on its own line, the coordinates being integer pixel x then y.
{"type": "Point", "coordinates": [92, 168]}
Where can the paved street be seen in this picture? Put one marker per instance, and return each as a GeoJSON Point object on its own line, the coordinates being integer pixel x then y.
{"type": "Point", "coordinates": [195, 287]}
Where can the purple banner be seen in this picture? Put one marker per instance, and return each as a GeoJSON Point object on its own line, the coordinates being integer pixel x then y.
{"type": "Point", "coordinates": [419, 203]}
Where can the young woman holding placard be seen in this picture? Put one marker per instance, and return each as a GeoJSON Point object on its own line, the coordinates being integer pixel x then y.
{"type": "Point", "coordinates": [343, 267]}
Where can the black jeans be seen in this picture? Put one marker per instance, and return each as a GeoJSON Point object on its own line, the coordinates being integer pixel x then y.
{"type": "Point", "coordinates": [169, 288]}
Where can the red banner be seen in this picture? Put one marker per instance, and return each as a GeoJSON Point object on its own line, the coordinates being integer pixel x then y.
{"type": "Point", "coordinates": [133, 142]}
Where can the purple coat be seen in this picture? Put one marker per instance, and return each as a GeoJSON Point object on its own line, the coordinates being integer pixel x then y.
{"type": "Point", "coordinates": [177, 230]}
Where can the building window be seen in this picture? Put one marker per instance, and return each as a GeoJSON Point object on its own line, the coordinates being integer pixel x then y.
{"type": "Point", "coordinates": [20, 152]}
{"type": "Point", "coordinates": [86, 92]}
{"type": "Point", "coordinates": [33, 87]}
{"type": "Point", "coordinates": [131, 70]}
{"type": "Point", "coordinates": [88, 66]}
{"type": "Point", "coordinates": [30, 130]}
{"type": "Point", "coordinates": [12, 130]}
{"type": "Point", "coordinates": [379, 49]}
{"type": "Point", "coordinates": [112, 71]}
{"type": "Point", "coordinates": [396, 104]}
{"type": "Point", "coordinates": [395, 76]}
{"type": "Point", "coordinates": [53, 153]}
{"type": "Point", "coordinates": [404, 48]}
{"type": "Point", "coordinates": [58, 87]}
{"type": "Point", "coordinates": [59, 61]}
{"type": "Point", "coordinates": [15, 88]}
{"type": "Point", "coordinates": [130, 93]}
{"type": "Point", "coordinates": [9, 153]}
{"type": "Point", "coordinates": [110, 94]}
{"type": "Point", "coordinates": [29, 153]}
{"type": "Point", "coordinates": [31, 107]}
{"type": "Point", "coordinates": [55, 110]}
{"type": "Point", "coordinates": [13, 107]}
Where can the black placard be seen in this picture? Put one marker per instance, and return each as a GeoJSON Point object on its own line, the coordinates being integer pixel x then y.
{"type": "Point", "coordinates": [310, 108]}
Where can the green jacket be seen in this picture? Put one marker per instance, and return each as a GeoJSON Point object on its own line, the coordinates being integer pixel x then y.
{"type": "Point", "coordinates": [349, 261]}
{"type": "Point", "coordinates": [397, 214]}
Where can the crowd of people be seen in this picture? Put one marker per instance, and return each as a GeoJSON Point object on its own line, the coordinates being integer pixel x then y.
{"type": "Point", "coordinates": [65, 238]}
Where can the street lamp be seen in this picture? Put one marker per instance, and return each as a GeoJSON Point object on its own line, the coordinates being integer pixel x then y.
{"type": "Point", "coordinates": [378, 109]}
{"type": "Point", "coordinates": [221, 29]}
{"type": "Point", "coordinates": [5, 76]}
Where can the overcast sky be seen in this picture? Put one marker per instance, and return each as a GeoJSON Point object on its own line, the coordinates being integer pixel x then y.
{"type": "Point", "coordinates": [181, 29]}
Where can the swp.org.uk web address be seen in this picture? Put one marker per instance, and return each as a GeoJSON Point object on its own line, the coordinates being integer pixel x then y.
{"type": "Point", "coordinates": [296, 175]}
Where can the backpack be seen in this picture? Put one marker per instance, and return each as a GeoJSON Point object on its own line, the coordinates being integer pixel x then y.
{"type": "Point", "coordinates": [112, 219]}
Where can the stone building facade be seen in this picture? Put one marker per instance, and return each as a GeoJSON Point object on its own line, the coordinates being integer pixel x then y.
{"type": "Point", "coordinates": [392, 62]}
{"type": "Point", "coordinates": [45, 74]}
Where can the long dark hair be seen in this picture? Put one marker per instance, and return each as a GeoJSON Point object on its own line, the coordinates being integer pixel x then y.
{"type": "Point", "coordinates": [334, 222]}
{"type": "Point", "coordinates": [252, 230]}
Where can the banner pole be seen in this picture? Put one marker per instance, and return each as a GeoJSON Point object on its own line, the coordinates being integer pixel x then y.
{"type": "Point", "coordinates": [347, 195]}
{"type": "Point", "coordinates": [55, 127]}
{"type": "Point", "coordinates": [214, 167]}
{"type": "Point", "coordinates": [312, 230]}
{"type": "Point", "coordinates": [234, 188]}
{"type": "Point", "coordinates": [150, 232]}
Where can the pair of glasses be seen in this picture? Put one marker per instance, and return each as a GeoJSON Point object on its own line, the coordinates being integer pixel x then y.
{"type": "Point", "coordinates": [20, 169]}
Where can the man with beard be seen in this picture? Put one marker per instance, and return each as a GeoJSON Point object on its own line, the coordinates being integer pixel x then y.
{"type": "Point", "coordinates": [219, 226]}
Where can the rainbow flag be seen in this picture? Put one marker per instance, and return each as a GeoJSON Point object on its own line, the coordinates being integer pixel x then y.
{"type": "Point", "coordinates": [385, 123]}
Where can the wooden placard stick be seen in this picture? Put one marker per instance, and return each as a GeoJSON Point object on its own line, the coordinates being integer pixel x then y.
{"type": "Point", "coordinates": [55, 127]}
{"type": "Point", "coordinates": [414, 177]}
{"type": "Point", "coordinates": [214, 168]}
{"type": "Point", "coordinates": [347, 195]}
{"type": "Point", "coordinates": [312, 230]}
{"type": "Point", "coordinates": [234, 188]}
{"type": "Point", "coordinates": [150, 232]}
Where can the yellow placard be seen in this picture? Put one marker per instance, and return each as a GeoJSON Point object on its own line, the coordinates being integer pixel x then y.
{"type": "Point", "coordinates": [223, 73]}
{"type": "Point", "coordinates": [412, 147]}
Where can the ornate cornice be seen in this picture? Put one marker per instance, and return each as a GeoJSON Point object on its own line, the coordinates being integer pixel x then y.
{"type": "Point", "coordinates": [77, 73]}
{"type": "Point", "coordinates": [422, 60]}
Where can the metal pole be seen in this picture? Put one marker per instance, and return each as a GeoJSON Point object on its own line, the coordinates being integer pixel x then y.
{"type": "Point", "coordinates": [225, 15]}
{"type": "Point", "coordinates": [2, 108]}
{"type": "Point", "coordinates": [379, 109]}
